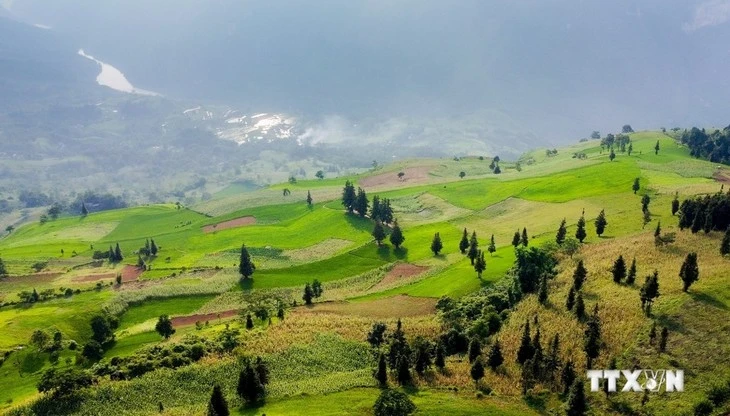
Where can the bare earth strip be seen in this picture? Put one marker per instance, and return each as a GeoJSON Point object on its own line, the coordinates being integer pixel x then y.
{"type": "Point", "coordinates": [400, 306]}
{"type": "Point", "coordinates": [722, 176]}
{"type": "Point", "coordinates": [191, 319]}
{"type": "Point", "coordinates": [400, 271]}
{"type": "Point", "coordinates": [412, 176]}
{"type": "Point", "coordinates": [131, 273]}
{"type": "Point", "coordinates": [238, 222]}
{"type": "Point", "coordinates": [94, 277]}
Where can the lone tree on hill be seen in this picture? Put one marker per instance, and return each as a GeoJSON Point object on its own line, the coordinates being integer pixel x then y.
{"type": "Point", "coordinates": [649, 292]}
{"type": "Point", "coordinates": [153, 248]}
{"type": "Point", "coordinates": [464, 242]}
{"type": "Point", "coordinates": [577, 404]}
{"type": "Point", "coordinates": [579, 275]}
{"type": "Point", "coordinates": [245, 265]}
{"type": "Point", "coordinates": [436, 245]}
{"type": "Point", "coordinates": [724, 246]}
{"type": "Point", "coordinates": [492, 246]}
{"type": "Point", "coordinates": [309, 198]}
{"type": "Point", "coordinates": [217, 406]}
{"type": "Point", "coordinates": [378, 233]}
{"type": "Point", "coordinates": [164, 327]}
{"type": "Point", "coordinates": [319, 175]}
{"type": "Point", "coordinates": [308, 294]}
{"type": "Point", "coordinates": [619, 269]}
{"type": "Point", "coordinates": [516, 239]}
{"type": "Point", "coordinates": [636, 186]}
{"type": "Point", "coordinates": [627, 129]}
{"type": "Point", "coordinates": [612, 155]}
{"type": "Point", "coordinates": [477, 371]}
{"type": "Point", "coordinates": [690, 271]}
{"type": "Point", "coordinates": [396, 236]}
{"type": "Point", "coordinates": [462, 174]}
{"type": "Point", "coordinates": [645, 200]}
{"type": "Point", "coordinates": [601, 223]}
{"type": "Point", "coordinates": [675, 204]}
{"type": "Point", "coordinates": [473, 248]}
{"type": "Point", "coordinates": [84, 211]}
{"type": "Point", "coordinates": [524, 240]}
{"type": "Point", "coordinates": [494, 357]}
{"type": "Point", "coordinates": [562, 232]}
{"type": "Point", "coordinates": [580, 232]}
{"type": "Point", "coordinates": [480, 264]}
{"type": "Point", "coordinates": [656, 148]}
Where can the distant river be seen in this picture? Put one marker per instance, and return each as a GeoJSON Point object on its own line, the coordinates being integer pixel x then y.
{"type": "Point", "coordinates": [114, 78]}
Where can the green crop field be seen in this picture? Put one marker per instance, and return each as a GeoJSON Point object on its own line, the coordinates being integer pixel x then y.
{"type": "Point", "coordinates": [318, 358]}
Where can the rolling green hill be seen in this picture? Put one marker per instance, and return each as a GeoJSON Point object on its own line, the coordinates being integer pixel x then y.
{"type": "Point", "coordinates": [317, 354]}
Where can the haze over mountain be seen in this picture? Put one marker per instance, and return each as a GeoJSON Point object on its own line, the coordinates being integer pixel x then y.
{"type": "Point", "coordinates": [560, 69]}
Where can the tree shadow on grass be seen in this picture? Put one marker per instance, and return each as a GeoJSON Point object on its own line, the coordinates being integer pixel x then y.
{"type": "Point", "coordinates": [246, 285]}
{"type": "Point", "coordinates": [537, 402]}
{"type": "Point", "coordinates": [708, 299]}
{"type": "Point", "coordinates": [252, 408]}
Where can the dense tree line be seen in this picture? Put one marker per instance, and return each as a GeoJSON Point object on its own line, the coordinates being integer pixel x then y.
{"type": "Point", "coordinates": [714, 146]}
{"type": "Point", "coordinates": [706, 213]}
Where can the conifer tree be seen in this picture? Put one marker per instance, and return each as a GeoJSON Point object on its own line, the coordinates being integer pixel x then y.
{"type": "Point", "coordinates": [567, 375]}
{"type": "Point", "coordinates": [404, 373]}
{"type": "Point", "coordinates": [475, 349]}
{"type": "Point", "coordinates": [675, 203]}
{"type": "Point", "coordinates": [153, 248]}
{"type": "Point", "coordinates": [649, 291]}
{"type": "Point", "coordinates": [381, 374]}
{"type": "Point", "coordinates": [396, 236]}
{"type": "Point", "coordinates": [422, 355]}
{"type": "Point", "coordinates": [464, 243]}
{"type": "Point", "coordinates": [570, 301]}
{"type": "Point", "coordinates": [317, 288]}
{"type": "Point", "coordinates": [436, 245]}
{"type": "Point", "coordinates": [631, 277]}
{"type": "Point", "coordinates": [579, 276]}
{"type": "Point", "coordinates": [309, 198]}
{"type": "Point", "coordinates": [552, 362]}
{"type": "Point", "coordinates": [516, 239]}
{"type": "Point", "coordinates": [480, 264]}
{"type": "Point", "coordinates": [249, 321]}
{"type": "Point", "coordinates": [84, 211]}
{"type": "Point", "coordinates": [630, 149]}
{"type": "Point", "coordinates": [473, 252]}
{"type": "Point", "coordinates": [577, 405]}
{"type": "Point", "coordinates": [245, 265]}
{"type": "Point", "coordinates": [619, 269]}
{"type": "Point", "coordinates": [601, 223]}
{"type": "Point", "coordinates": [217, 406]}
{"type": "Point", "coordinates": [249, 388]}
{"type": "Point", "coordinates": [349, 197]}
{"type": "Point", "coordinates": [477, 371]}
{"type": "Point", "coordinates": [492, 246]}
{"type": "Point", "coordinates": [118, 254]}
{"type": "Point", "coordinates": [698, 222]}
{"type": "Point", "coordinates": [663, 338]}
{"type": "Point", "coordinates": [526, 351]}
{"type": "Point", "coordinates": [656, 148]}
{"type": "Point", "coordinates": [689, 272]}
{"type": "Point", "coordinates": [592, 337]}
{"type": "Point", "coordinates": [542, 293]}
{"type": "Point", "coordinates": [375, 210]}
{"type": "Point", "coordinates": [562, 232]}
{"type": "Point", "coordinates": [440, 360]}
{"type": "Point", "coordinates": [635, 187]}
{"type": "Point", "coordinates": [580, 232]}
{"type": "Point", "coordinates": [164, 326]}
{"type": "Point", "coordinates": [378, 233]}
{"type": "Point", "coordinates": [725, 245]}
{"type": "Point", "coordinates": [361, 202]}
{"type": "Point", "coordinates": [495, 358]}
{"type": "Point", "coordinates": [308, 294]}
{"type": "Point", "coordinates": [580, 307]}
{"type": "Point", "coordinates": [111, 255]}
{"type": "Point", "coordinates": [645, 200]}
{"type": "Point", "coordinates": [524, 240]}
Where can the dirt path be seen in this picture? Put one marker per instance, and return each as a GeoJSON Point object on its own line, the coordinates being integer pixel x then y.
{"type": "Point", "coordinates": [238, 222]}
{"type": "Point", "coordinates": [192, 319]}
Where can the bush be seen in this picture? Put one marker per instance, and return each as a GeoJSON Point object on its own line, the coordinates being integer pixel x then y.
{"type": "Point", "coordinates": [719, 394]}
{"type": "Point", "coordinates": [393, 403]}
{"type": "Point", "coordinates": [703, 408]}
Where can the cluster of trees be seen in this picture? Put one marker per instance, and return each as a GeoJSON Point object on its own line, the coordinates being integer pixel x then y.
{"type": "Point", "coordinates": [251, 388]}
{"type": "Point", "coordinates": [494, 166]}
{"type": "Point", "coordinates": [102, 334]}
{"type": "Point", "coordinates": [115, 254]}
{"type": "Point", "coordinates": [150, 249]}
{"type": "Point", "coordinates": [312, 291]}
{"type": "Point", "coordinates": [381, 210]}
{"type": "Point", "coordinates": [355, 201]}
{"type": "Point", "coordinates": [396, 235]}
{"type": "Point", "coordinates": [706, 213]}
{"type": "Point", "coordinates": [246, 267]}
{"type": "Point", "coordinates": [518, 238]}
{"type": "Point", "coordinates": [580, 232]}
{"type": "Point", "coordinates": [714, 146]}
{"type": "Point", "coordinates": [622, 142]}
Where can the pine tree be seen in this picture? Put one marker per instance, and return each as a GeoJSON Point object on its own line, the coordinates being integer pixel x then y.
{"type": "Point", "coordinates": [317, 288]}
{"type": "Point", "coordinates": [381, 374]}
{"type": "Point", "coordinates": [579, 275]}
{"type": "Point", "coordinates": [663, 338]}
{"type": "Point", "coordinates": [164, 326]}
{"type": "Point", "coordinates": [570, 301]}
{"type": "Point", "coordinates": [689, 272]}
{"type": "Point", "coordinates": [495, 358]}
{"type": "Point", "coordinates": [698, 222]}
{"type": "Point", "coordinates": [118, 254]}
{"type": "Point", "coordinates": [404, 372]}
{"type": "Point", "coordinates": [308, 294]}
{"type": "Point", "coordinates": [218, 406]}
{"type": "Point", "coordinates": [464, 243]}
{"type": "Point", "coordinates": [436, 245]}
{"type": "Point", "coordinates": [562, 232]}
{"type": "Point", "coordinates": [580, 307]}
{"type": "Point", "coordinates": [542, 293]}
{"type": "Point", "coordinates": [516, 239]}
{"type": "Point", "coordinates": [250, 388]}
{"type": "Point", "coordinates": [645, 200]}
{"type": "Point", "coordinates": [524, 240]}
{"type": "Point", "coordinates": [396, 236]}
{"type": "Point", "coordinates": [480, 265]}
{"type": "Point", "coordinates": [84, 211]}
{"type": "Point", "coordinates": [361, 202]}
{"type": "Point", "coordinates": [725, 245]}
{"type": "Point", "coordinates": [656, 148]}
{"type": "Point", "coordinates": [378, 233]}
{"type": "Point", "coordinates": [636, 186]}
{"type": "Point", "coordinates": [349, 196]}
{"type": "Point", "coordinates": [567, 375]}
{"type": "Point", "coordinates": [649, 291]}
{"type": "Point", "coordinates": [601, 223]}
{"type": "Point", "coordinates": [309, 198]}
{"type": "Point", "coordinates": [475, 349]}
{"type": "Point", "coordinates": [612, 155]}
{"type": "Point", "coordinates": [526, 351]}
{"type": "Point", "coordinates": [492, 246]}
{"type": "Point", "coordinates": [249, 322]}
{"type": "Point", "coordinates": [153, 248]}
{"type": "Point", "coordinates": [245, 265]}
{"type": "Point", "coordinates": [580, 232]}
{"type": "Point", "coordinates": [473, 252]}
{"type": "Point", "coordinates": [577, 405]}
{"type": "Point", "coordinates": [422, 355]}
{"type": "Point", "coordinates": [619, 269]}
{"type": "Point", "coordinates": [477, 371]}
{"type": "Point", "coordinates": [440, 360]}
{"type": "Point", "coordinates": [675, 203]}
{"type": "Point", "coordinates": [592, 337]}
{"type": "Point", "coordinates": [111, 256]}
{"type": "Point", "coordinates": [631, 277]}
{"type": "Point", "coordinates": [375, 210]}
{"type": "Point", "coordinates": [552, 362]}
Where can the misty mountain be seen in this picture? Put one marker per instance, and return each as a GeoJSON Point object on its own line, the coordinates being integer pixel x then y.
{"type": "Point", "coordinates": [557, 69]}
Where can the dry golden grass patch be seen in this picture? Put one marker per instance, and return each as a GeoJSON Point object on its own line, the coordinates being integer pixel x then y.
{"type": "Point", "coordinates": [399, 306]}
{"type": "Point", "coordinates": [319, 251]}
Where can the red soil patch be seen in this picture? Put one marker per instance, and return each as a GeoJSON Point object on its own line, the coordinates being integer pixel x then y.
{"type": "Point", "coordinates": [238, 222]}
{"type": "Point", "coordinates": [412, 176]}
{"type": "Point", "coordinates": [722, 176]}
{"type": "Point", "coordinates": [131, 273]}
{"type": "Point", "coordinates": [192, 319]}
{"type": "Point", "coordinates": [400, 271]}
{"type": "Point", "coordinates": [95, 277]}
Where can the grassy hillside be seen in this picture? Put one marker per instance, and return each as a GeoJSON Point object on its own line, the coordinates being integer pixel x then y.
{"type": "Point", "coordinates": [317, 354]}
